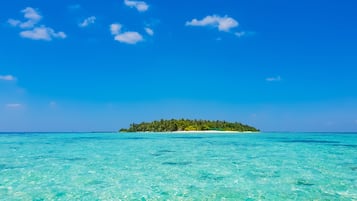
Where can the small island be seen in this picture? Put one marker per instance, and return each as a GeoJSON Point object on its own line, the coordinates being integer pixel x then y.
{"type": "Point", "coordinates": [174, 125]}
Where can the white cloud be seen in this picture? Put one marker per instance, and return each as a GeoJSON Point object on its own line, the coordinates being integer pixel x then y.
{"type": "Point", "coordinates": [32, 30]}
{"type": "Point", "coordinates": [7, 78]}
{"type": "Point", "coordinates": [88, 21]}
{"type": "Point", "coordinates": [115, 28]}
{"type": "Point", "coordinates": [149, 31]}
{"type": "Point", "coordinates": [273, 79]}
{"type": "Point", "coordinates": [32, 17]}
{"type": "Point", "coordinates": [13, 105]}
{"type": "Point", "coordinates": [129, 37]}
{"type": "Point", "coordinates": [141, 6]}
{"type": "Point", "coordinates": [222, 23]}
{"type": "Point", "coordinates": [42, 33]}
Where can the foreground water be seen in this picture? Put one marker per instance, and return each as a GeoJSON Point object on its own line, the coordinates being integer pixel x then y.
{"type": "Point", "coordinates": [104, 166]}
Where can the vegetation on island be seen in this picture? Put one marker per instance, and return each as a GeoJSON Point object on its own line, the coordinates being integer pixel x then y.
{"type": "Point", "coordinates": [187, 125]}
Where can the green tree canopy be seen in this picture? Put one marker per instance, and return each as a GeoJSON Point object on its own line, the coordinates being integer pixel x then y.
{"type": "Point", "coordinates": [187, 125]}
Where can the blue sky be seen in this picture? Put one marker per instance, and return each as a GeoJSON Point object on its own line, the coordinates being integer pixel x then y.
{"type": "Point", "coordinates": [76, 65]}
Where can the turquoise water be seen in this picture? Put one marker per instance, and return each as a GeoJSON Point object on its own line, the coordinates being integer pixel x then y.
{"type": "Point", "coordinates": [105, 166]}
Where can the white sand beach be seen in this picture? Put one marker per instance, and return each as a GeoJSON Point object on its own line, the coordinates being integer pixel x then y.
{"type": "Point", "coordinates": [213, 131]}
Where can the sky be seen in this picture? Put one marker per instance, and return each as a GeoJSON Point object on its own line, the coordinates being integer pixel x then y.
{"type": "Point", "coordinates": [79, 65]}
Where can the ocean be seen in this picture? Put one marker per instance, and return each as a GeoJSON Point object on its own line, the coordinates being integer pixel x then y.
{"type": "Point", "coordinates": [147, 166]}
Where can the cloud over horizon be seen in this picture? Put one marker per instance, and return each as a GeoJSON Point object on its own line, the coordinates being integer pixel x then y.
{"type": "Point", "coordinates": [31, 28]}
{"type": "Point", "coordinates": [13, 105]}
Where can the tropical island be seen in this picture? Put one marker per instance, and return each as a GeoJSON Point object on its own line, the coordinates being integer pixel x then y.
{"type": "Point", "coordinates": [188, 125]}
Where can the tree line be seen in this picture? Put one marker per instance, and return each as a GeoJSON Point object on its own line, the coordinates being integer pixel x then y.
{"type": "Point", "coordinates": [187, 125]}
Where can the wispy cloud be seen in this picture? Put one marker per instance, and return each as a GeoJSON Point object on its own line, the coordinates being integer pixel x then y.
{"type": "Point", "coordinates": [240, 34]}
{"type": "Point", "coordinates": [273, 79]}
{"type": "Point", "coordinates": [31, 28]}
{"type": "Point", "coordinates": [42, 33]}
{"type": "Point", "coordinates": [88, 21]}
{"type": "Point", "coordinates": [149, 31]}
{"type": "Point", "coordinates": [221, 23]}
{"type": "Point", "coordinates": [141, 6]}
{"type": "Point", "coordinates": [7, 78]}
{"type": "Point", "coordinates": [13, 105]}
{"type": "Point", "coordinates": [129, 37]}
{"type": "Point", "coordinates": [13, 22]}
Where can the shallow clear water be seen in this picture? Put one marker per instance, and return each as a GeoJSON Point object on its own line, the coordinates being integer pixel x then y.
{"type": "Point", "coordinates": [104, 166]}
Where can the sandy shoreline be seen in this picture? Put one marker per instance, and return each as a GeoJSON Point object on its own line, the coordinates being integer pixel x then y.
{"type": "Point", "coordinates": [199, 132]}
{"type": "Point", "coordinates": [211, 131]}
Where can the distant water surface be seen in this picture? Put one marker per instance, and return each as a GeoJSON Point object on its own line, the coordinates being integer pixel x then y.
{"type": "Point", "coordinates": [111, 166]}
